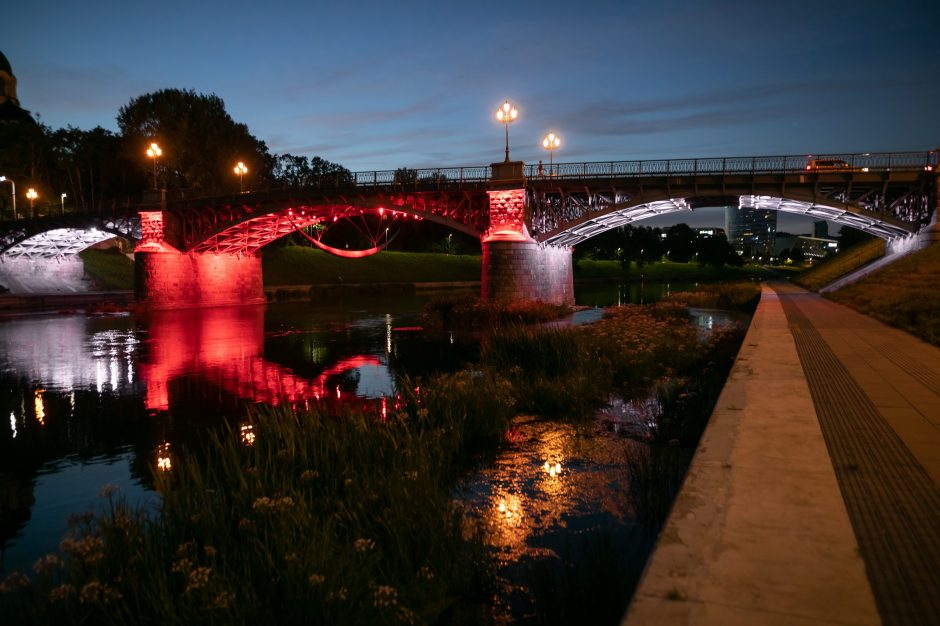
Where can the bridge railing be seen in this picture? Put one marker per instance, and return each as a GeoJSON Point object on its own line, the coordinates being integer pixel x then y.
{"type": "Point", "coordinates": [871, 162]}
{"type": "Point", "coordinates": [785, 164]}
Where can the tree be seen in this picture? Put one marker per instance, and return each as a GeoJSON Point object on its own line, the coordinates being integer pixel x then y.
{"type": "Point", "coordinates": [199, 139]}
{"type": "Point", "coordinates": [849, 236]}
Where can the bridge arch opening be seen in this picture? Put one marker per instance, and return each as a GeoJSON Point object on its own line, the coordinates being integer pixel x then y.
{"type": "Point", "coordinates": [592, 224]}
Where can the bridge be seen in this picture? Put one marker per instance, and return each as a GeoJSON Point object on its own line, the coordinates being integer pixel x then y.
{"type": "Point", "coordinates": [204, 251]}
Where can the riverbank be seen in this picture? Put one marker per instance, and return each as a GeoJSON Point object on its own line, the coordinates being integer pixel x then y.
{"type": "Point", "coordinates": [786, 517]}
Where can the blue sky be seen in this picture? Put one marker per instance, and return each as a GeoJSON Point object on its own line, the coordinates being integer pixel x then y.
{"type": "Point", "coordinates": [381, 85]}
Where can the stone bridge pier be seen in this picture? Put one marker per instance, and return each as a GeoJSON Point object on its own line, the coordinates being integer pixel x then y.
{"type": "Point", "coordinates": [517, 268]}
{"type": "Point", "coordinates": [167, 278]}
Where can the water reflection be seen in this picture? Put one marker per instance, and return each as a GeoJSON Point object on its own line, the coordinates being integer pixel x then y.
{"type": "Point", "coordinates": [114, 399]}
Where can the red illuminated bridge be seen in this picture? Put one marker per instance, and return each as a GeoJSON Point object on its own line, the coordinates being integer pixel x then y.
{"type": "Point", "coordinates": [203, 252]}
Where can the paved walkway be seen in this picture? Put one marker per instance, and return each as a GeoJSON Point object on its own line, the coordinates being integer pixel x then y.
{"type": "Point", "coordinates": [813, 497]}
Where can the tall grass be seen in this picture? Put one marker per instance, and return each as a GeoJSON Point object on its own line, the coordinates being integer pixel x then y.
{"type": "Point", "coordinates": [841, 264]}
{"type": "Point", "coordinates": [348, 517]}
{"type": "Point", "coordinates": [292, 518]}
{"type": "Point", "coordinates": [299, 265]}
{"type": "Point", "coordinates": [904, 294]}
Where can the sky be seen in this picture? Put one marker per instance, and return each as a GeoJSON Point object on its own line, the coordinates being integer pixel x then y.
{"type": "Point", "coordinates": [409, 83]}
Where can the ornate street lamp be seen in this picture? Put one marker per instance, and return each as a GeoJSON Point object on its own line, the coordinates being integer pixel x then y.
{"type": "Point", "coordinates": [507, 114]}
{"type": "Point", "coordinates": [32, 195]}
{"type": "Point", "coordinates": [10, 180]}
{"type": "Point", "coordinates": [241, 170]}
{"type": "Point", "coordinates": [153, 152]}
{"type": "Point", "coordinates": [551, 143]}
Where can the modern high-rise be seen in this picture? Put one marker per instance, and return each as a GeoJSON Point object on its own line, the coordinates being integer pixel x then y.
{"type": "Point", "coordinates": [751, 232]}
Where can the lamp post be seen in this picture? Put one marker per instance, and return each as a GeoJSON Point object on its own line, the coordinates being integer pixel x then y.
{"type": "Point", "coordinates": [32, 195]}
{"type": "Point", "coordinates": [551, 143]}
{"type": "Point", "coordinates": [241, 170]}
{"type": "Point", "coordinates": [10, 180]}
{"type": "Point", "coordinates": [153, 152]}
{"type": "Point", "coordinates": [507, 114]}
{"type": "Point", "coordinates": [63, 196]}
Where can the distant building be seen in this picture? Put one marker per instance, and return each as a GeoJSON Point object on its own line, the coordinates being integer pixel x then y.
{"type": "Point", "coordinates": [817, 247]}
{"type": "Point", "coordinates": [783, 241]}
{"type": "Point", "coordinates": [821, 229]}
{"type": "Point", "coordinates": [751, 232]}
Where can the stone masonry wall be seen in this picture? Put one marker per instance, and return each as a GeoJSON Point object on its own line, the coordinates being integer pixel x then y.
{"type": "Point", "coordinates": [64, 275]}
{"type": "Point", "coordinates": [519, 271]}
{"type": "Point", "coordinates": [172, 280]}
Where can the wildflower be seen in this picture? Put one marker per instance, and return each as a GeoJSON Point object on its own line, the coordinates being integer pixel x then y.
{"type": "Point", "coordinates": [412, 475]}
{"type": "Point", "coordinates": [47, 564]}
{"type": "Point", "coordinates": [223, 601]}
{"type": "Point", "coordinates": [422, 413]}
{"type": "Point", "coordinates": [183, 566]}
{"type": "Point", "coordinates": [108, 490]}
{"type": "Point", "coordinates": [263, 504]}
{"type": "Point", "coordinates": [316, 579]}
{"type": "Point", "coordinates": [363, 545]}
{"type": "Point", "coordinates": [97, 592]}
{"type": "Point", "coordinates": [406, 615]}
{"type": "Point", "coordinates": [209, 551]}
{"type": "Point", "coordinates": [246, 525]}
{"type": "Point", "coordinates": [339, 594]}
{"type": "Point", "coordinates": [16, 580]}
{"type": "Point", "coordinates": [291, 557]}
{"type": "Point", "coordinates": [426, 573]}
{"type": "Point", "coordinates": [284, 503]}
{"type": "Point", "coordinates": [347, 482]}
{"type": "Point", "coordinates": [185, 549]}
{"type": "Point", "coordinates": [198, 578]}
{"type": "Point", "coordinates": [308, 475]}
{"type": "Point", "coordinates": [61, 593]}
{"type": "Point", "coordinates": [384, 596]}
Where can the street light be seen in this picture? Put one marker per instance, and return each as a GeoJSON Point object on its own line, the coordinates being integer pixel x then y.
{"type": "Point", "coordinates": [507, 114]}
{"type": "Point", "coordinates": [153, 152]}
{"type": "Point", "coordinates": [551, 143]}
{"type": "Point", "coordinates": [10, 180]}
{"type": "Point", "coordinates": [241, 170]}
{"type": "Point", "coordinates": [63, 204]}
{"type": "Point", "coordinates": [32, 195]}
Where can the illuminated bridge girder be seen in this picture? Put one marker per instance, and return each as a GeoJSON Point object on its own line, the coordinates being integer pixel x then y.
{"type": "Point", "coordinates": [246, 227]}
{"type": "Point", "coordinates": [566, 212]}
{"type": "Point", "coordinates": [61, 237]}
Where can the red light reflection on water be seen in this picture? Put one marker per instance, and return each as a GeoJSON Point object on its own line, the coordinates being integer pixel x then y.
{"type": "Point", "coordinates": [226, 346]}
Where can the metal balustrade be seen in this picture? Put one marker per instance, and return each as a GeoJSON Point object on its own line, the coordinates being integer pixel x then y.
{"type": "Point", "coordinates": [790, 164]}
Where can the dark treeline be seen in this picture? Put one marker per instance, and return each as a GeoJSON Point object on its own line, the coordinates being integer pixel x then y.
{"type": "Point", "coordinates": [200, 145]}
{"type": "Point", "coordinates": [643, 244]}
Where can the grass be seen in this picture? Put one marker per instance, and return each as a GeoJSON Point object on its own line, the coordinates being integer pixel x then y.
{"type": "Point", "coordinates": [667, 270]}
{"type": "Point", "coordinates": [841, 264]}
{"type": "Point", "coordinates": [298, 265]}
{"type": "Point", "coordinates": [110, 268]}
{"type": "Point", "coordinates": [290, 518]}
{"type": "Point", "coordinates": [467, 311]}
{"type": "Point", "coordinates": [903, 294]}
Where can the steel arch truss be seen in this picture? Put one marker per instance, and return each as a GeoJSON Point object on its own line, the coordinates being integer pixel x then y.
{"type": "Point", "coordinates": [57, 238]}
{"type": "Point", "coordinates": [863, 221]}
{"type": "Point", "coordinates": [599, 223]}
{"type": "Point", "coordinates": [243, 228]}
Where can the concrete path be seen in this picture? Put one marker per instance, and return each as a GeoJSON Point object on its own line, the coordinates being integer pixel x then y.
{"type": "Point", "coordinates": [813, 496]}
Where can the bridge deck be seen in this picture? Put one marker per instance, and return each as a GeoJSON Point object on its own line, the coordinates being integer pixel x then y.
{"type": "Point", "coordinates": [813, 497]}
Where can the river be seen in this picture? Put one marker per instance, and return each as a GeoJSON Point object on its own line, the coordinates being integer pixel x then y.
{"type": "Point", "coordinates": [95, 400]}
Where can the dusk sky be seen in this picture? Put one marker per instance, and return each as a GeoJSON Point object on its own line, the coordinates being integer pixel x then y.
{"type": "Point", "coordinates": [382, 85]}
